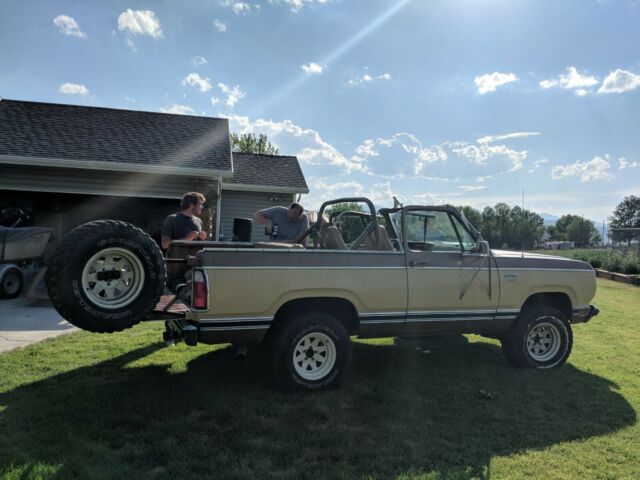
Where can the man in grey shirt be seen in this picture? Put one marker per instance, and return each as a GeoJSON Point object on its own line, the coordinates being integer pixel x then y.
{"type": "Point", "coordinates": [283, 224]}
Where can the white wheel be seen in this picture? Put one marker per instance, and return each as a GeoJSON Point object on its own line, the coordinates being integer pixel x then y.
{"type": "Point", "coordinates": [543, 342]}
{"type": "Point", "coordinates": [113, 278]}
{"type": "Point", "coordinates": [314, 356]}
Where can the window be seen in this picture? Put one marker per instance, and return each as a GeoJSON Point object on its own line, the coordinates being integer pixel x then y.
{"type": "Point", "coordinates": [431, 231]}
{"type": "Point", "coordinates": [468, 242]}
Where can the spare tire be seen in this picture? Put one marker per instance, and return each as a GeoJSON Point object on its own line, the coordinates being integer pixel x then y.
{"type": "Point", "coordinates": [106, 276]}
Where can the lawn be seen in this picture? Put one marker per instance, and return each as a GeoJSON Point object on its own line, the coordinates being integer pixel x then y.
{"type": "Point", "coordinates": [123, 406]}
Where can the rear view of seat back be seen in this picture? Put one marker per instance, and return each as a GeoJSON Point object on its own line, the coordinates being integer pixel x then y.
{"type": "Point", "coordinates": [332, 238]}
{"type": "Point", "coordinates": [385, 244]}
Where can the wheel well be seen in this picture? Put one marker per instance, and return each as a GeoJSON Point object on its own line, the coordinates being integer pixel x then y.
{"type": "Point", "coordinates": [559, 300]}
{"type": "Point", "coordinates": [341, 309]}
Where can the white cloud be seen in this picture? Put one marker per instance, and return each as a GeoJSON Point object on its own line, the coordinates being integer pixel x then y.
{"type": "Point", "coordinates": [215, 101]}
{"type": "Point", "coordinates": [482, 153]}
{"type": "Point", "coordinates": [306, 143]}
{"type": "Point", "coordinates": [140, 22]}
{"type": "Point", "coordinates": [491, 81]}
{"type": "Point", "coordinates": [195, 80]}
{"type": "Point", "coordinates": [131, 45]}
{"type": "Point", "coordinates": [624, 163]}
{"type": "Point", "coordinates": [619, 81]}
{"type": "Point", "coordinates": [508, 136]}
{"type": "Point", "coordinates": [220, 26]}
{"type": "Point", "coordinates": [539, 163]}
{"type": "Point", "coordinates": [312, 68]}
{"type": "Point", "coordinates": [199, 60]}
{"type": "Point", "coordinates": [73, 89]}
{"type": "Point", "coordinates": [68, 26]}
{"type": "Point", "coordinates": [590, 171]}
{"type": "Point", "coordinates": [234, 94]}
{"type": "Point", "coordinates": [241, 8]}
{"type": "Point", "coordinates": [471, 188]}
{"type": "Point", "coordinates": [179, 109]}
{"type": "Point", "coordinates": [366, 78]}
{"type": "Point", "coordinates": [572, 80]}
{"type": "Point", "coordinates": [296, 5]}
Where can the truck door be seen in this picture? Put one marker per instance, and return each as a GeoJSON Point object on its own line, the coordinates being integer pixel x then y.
{"type": "Point", "coordinates": [451, 287]}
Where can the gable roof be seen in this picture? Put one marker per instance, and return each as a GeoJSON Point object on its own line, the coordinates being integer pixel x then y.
{"type": "Point", "coordinates": [273, 173]}
{"type": "Point", "coordinates": [49, 134]}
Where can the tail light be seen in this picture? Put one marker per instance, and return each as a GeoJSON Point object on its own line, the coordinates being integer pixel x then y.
{"type": "Point", "coordinates": [200, 290]}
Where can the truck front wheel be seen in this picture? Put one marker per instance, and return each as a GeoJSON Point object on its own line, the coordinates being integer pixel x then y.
{"type": "Point", "coordinates": [541, 337]}
{"type": "Point", "coordinates": [310, 352]}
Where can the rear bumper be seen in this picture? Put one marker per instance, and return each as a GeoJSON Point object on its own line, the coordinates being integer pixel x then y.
{"type": "Point", "coordinates": [584, 314]}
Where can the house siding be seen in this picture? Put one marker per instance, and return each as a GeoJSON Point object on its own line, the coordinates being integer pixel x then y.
{"type": "Point", "coordinates": [237, 204]}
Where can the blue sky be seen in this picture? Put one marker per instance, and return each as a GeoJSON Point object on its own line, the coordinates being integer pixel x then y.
{"type": "Point", "coordinates": [456, 101]}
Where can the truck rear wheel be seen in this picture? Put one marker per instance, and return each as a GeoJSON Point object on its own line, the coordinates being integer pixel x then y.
{"type": "Point", "coordinates": [541, 337]}
{"type": "Point", "coordinates": [310, 352]}
{"type": "Point", "coordinates": [106, 276]}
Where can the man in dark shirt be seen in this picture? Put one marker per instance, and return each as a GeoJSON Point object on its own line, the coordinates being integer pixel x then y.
{"type": "Point", "coordinates": [185, 225]}
{"type": "Point", "coordinates": [283, 224]}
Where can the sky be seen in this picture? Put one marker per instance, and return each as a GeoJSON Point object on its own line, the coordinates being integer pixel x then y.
{"type": "Point", "coordinates": [433, 101]}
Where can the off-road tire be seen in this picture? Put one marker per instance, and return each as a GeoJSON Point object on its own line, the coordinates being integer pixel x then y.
{"type": "Point", "coordinates": [327, 340]}
{"type": "Point", "coordinates": [541, 337]}
{"type": "Point", "coordinates": [11, 283]}
{"type": "Point", "coordinates": [71, 270]}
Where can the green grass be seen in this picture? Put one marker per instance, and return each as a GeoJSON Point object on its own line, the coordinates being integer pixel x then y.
{"type": "Point", "coordinates": [121, 406]}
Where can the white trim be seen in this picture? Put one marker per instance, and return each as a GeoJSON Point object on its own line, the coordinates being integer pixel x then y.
{"type": "Point", "coordinates": [262, 188]}
{"type": "Point", "coordinates": [304, 251]}
{"type": "Point", "coordinates": [235, 319]}
{"type": "Point", "coordinates": [276, 267]}
{"type": "Point", "coordinates": [106, 193]}
{"type": "Point", "coordinates": [448, 319]}
{"type": "Point", "coordinates": [244, 327]}
{"type": "Point", "coordinates": [218, 209]}
{"type": "Point", "coordinates": [113, 166]}
{"type": "Point", "coordinates": [379, 322]}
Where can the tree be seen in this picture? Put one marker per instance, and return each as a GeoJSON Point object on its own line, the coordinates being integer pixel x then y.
{"type": "Point", "coordinates": [506, 227]}
{"type": "Point", "coordinates": [472, 215]}
{"type": "Point", "coordinates": [249, 143]}
{"type": "Point", "coordinates": [574, 228]}
{"type": "Point", "coordinates": [626, 215]}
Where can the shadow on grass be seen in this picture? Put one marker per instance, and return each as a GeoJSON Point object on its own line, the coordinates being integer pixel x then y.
{"type": "Point", "coordinates": [443, 407]}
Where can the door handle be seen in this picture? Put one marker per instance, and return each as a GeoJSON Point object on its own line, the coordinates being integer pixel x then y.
{"type": "Point", "coordinates": [417, 264]}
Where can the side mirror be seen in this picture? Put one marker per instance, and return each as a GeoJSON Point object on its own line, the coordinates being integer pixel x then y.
{"type": "Point", "coordinates": [483, 247]}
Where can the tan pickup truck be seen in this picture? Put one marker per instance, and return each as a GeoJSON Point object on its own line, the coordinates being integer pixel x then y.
{"type": "Point", "coordinates": [406, 271]}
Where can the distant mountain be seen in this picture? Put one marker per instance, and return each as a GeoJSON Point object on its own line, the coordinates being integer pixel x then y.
{"type": "Point", "coordinates": [549, 219]}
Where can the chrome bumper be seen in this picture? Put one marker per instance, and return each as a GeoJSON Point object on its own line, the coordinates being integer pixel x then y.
{"type": "Point", "coordinates": [584, 314]}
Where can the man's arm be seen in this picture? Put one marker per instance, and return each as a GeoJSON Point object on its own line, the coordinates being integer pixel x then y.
{"type": "Point", "coordinates": [263, 217]}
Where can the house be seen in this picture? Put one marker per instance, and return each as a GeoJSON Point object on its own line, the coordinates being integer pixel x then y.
{"type": "Point", "coordinates": [68, 164]}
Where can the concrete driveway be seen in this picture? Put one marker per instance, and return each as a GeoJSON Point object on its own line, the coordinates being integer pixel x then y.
{"type": "Point", "coordinates": [24, 321]}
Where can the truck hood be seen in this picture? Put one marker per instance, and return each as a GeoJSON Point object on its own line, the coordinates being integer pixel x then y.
{"type": "Point", "coordinates": [511, 259]}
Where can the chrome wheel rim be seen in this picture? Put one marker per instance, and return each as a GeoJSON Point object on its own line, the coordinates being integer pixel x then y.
{"type": "Point", "coordinates": [314, 356]}
{"type": "Point", "coordinates": [543, 341]}
{"type": "Point", "coordinates": [113, 278]}
{"type": "Point", "coordinates": [11, 284]}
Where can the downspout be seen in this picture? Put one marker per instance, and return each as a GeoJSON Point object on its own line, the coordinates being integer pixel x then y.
{"type": "Point", "coordinates": [218, 205]}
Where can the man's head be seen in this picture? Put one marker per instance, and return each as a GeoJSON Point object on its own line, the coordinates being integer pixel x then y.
{"type": "Point", "coordinates": [192, 203]}
{"type": "Point", "coordinates": [294, 212]}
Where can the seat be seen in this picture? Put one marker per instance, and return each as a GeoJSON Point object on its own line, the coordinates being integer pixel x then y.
{"type": "Point", "coordinates": [332, 238]}
{"type": "Point", "coordinates": [384, 244]}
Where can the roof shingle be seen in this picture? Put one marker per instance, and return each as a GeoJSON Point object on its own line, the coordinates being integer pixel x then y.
{"type": "Point", "coordinates": [267, 170]}
{"type": "Point", "coordinates": [71, 132]}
